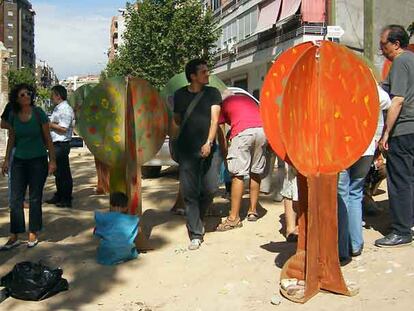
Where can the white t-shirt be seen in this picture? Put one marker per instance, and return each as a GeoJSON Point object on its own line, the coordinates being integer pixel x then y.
{"type": "Point", "coordinates": [385, 103]}
{"type": "Point", "coordinates": [63, 116]}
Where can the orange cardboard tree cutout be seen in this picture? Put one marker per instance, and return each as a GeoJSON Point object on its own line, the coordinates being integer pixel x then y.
{"type": "Point", "coordinates": [319, 106]}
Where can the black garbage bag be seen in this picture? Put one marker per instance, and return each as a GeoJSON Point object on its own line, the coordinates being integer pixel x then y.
{"type": "Point", "coordinates": [34, 281]}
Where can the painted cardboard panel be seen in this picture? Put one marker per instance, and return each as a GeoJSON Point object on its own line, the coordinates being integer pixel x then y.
{"type": "Point", "coordinates": [272, 95]}
{"type": "Point", "coordinates": [330, 110]}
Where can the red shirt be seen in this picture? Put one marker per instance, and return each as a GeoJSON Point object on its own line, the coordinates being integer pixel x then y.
{"type": "Point", "coordinates": [240, 112]}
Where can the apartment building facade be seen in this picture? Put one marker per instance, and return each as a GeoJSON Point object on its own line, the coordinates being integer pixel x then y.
{"type": "Point", "coordinates": [17, 32]}
{"type": "Point", "coordinates": [45, 75]}
{"type": "Point", "coordinates": [116, 31]}
{"type": "Point", "coordinates": [75, 82]}
{"type": "Point", "coordinates": [255, 32]}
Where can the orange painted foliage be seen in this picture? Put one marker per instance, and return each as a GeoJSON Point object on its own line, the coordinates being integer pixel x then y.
{"type": "Point", "coordinates": [329, 110]}
{"type": "Point", "coordinates": [272, 95]}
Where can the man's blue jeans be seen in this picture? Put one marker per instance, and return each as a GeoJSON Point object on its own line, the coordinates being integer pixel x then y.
{"type": "Point", "coordinates": [350, 193]}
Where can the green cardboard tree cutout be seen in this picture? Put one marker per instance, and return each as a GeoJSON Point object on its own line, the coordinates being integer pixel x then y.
{"type": "Point", "coordinates": [124, 123]}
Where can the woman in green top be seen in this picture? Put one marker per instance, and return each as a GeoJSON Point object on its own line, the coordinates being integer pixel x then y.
{"type": "Point", "coordinates": [29, 133]}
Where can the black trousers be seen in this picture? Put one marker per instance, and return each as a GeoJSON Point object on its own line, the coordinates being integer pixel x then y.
{"type": "Point", "coordinates": [63, 175]}
{"type": "Point", "coordinates": [400, 181]}
{"type": "Point", "coordinates": [32, 173]}
{"type": "Point", "coordinates": [198, 182]}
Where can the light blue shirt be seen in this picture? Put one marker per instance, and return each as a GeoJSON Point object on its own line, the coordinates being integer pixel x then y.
{"type": "Point", "coordinates": [63, 116]}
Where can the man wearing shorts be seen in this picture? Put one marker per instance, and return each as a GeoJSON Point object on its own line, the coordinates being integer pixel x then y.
{"type": "Point", "coordinates": [246, 155]}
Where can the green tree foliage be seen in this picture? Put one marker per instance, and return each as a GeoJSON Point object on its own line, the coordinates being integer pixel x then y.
{"type": "Point", "coordinates": [161, 36]}
{"type": "Point", "coordinates": [43, 98]}
{"type": "Point", "coordinates": [24, 75]}
{"type": "Point", "coordinates": [410, 29]}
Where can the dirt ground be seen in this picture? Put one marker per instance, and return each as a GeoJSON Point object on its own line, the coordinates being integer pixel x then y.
{"type": "Point", "coordinates": [235, 270]}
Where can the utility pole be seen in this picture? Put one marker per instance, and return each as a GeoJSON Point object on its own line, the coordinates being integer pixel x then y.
{"type": "Point", "coordinates": [331, 10]}
{"type": "Point", "coordinates": [369, 29]}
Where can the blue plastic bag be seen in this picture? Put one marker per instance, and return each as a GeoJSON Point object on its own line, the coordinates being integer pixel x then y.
{"type": "Point", "coordinates": [117, 232]}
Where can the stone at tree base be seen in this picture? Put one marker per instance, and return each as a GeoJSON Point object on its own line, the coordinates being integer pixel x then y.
{"type": "Point", "coordinates": [276, 300]}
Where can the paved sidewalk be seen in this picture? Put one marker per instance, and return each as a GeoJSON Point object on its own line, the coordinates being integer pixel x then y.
{"type": "Point", "coordinates": [235, 270]}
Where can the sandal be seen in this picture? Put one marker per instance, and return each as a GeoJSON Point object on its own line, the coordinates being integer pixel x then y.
{"type": "Point", "coordinates": [228, 224]}
{"type": "Point", "coordinates": [252, 216]}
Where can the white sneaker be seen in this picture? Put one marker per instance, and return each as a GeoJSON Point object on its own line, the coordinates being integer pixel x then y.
{"type": "Point", "coordinates": [194, 244]}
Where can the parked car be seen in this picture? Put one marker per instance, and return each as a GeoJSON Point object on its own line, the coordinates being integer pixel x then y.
{"type": "Point", "coordinates": [152, 168]}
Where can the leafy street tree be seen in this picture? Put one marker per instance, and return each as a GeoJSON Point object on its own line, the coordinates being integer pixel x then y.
{"type": "Point", "coordinates": [410, 29]}
{"type": "Point", "coordinates": [24, 75]}
{"type": "Point", "coordinates": [161, 36]}
{"type": "Point", "coordinates": [43, 99]}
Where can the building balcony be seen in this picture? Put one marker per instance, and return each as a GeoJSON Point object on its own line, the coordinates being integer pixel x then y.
{"type": "Point", "coordinates": [284, 31]}
{"type": "Point", "coordinates": [227, 9]}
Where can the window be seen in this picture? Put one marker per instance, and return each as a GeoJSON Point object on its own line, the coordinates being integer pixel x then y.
{"type": "Point", "coordinates": [10, 25]}
{"type": "Point", "coordinates": [10, 38]}
{"type": "Point", "coordinates": [10, 13]}
{"type": "Point", "coordinates": [247, 29]}
{"type": "Point", "coordinates": [241, 84]}
{"type": "Point", "coordinates": [248, 24]}
{"type": "Point", "coordinates": [241, 28]}
{"type": "Point", "coordinates": [10, 50]}
{"type": "Point", "coordinates": [229, 33]}
{"type": "Point", "coordinates": [215, 4]}
{"type": "Point", "coordinates": [254, 16]}
{"type": "Point", "coordinates": [218, 43]}
{"type": "Point", "coordinates": [234, 30]}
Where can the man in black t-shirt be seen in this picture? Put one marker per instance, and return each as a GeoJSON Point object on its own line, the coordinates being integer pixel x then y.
{"type": "Point", "coordinates": [196, 145]}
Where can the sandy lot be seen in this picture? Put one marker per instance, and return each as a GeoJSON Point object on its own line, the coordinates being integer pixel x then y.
{"type": "Point", "coordinates": [236, 270]}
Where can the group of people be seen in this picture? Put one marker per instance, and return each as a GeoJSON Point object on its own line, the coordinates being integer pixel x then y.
{"type": "Point", "coordinates": [36, 147]}
{"type": "Point", "coordinates": [200, 112]}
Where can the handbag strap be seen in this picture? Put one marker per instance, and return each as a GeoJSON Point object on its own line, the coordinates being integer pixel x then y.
{"type": "Point", "coordinates": [189, 110]}
{"type": "Point", "coordinates": [39, 122]}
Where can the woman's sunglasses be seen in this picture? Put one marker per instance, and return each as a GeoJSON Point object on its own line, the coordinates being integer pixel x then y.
{"type": "Point", "coordinates": [23, 94]}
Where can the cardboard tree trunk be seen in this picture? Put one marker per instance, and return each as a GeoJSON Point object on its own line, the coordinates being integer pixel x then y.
{"type": "Point", "coordinates": [76, 100]}
{"type": "Point", "coordinates": [320, 107]}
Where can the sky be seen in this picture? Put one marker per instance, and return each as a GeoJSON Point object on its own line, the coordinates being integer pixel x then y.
{"type": "Point", "coordinates": [72, 36]}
